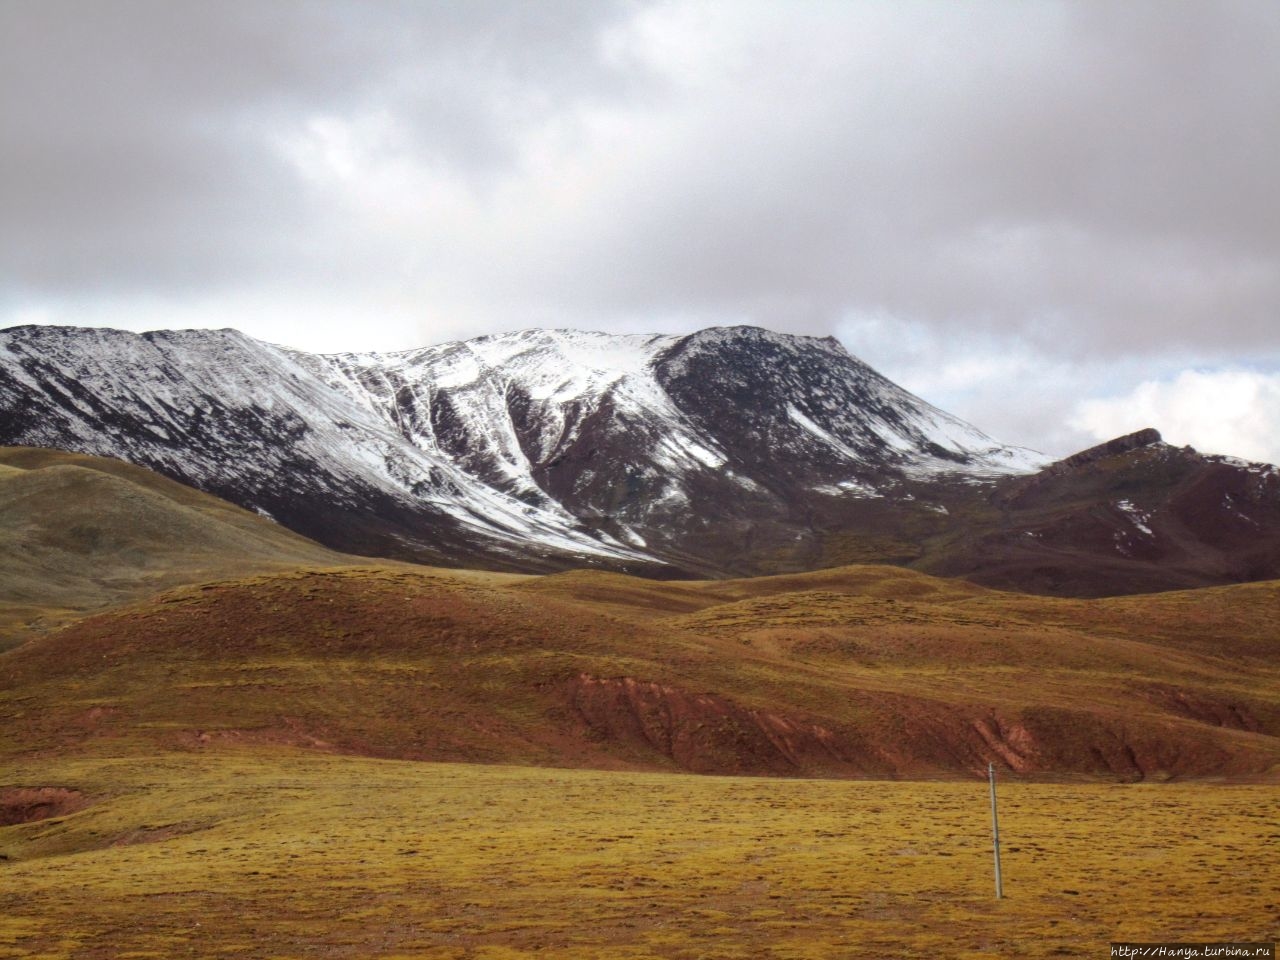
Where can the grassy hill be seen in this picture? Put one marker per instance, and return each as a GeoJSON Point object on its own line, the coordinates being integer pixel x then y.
{"type": "Point", "coordinates": [79, 533]}
{"type": "Point", "coordinates": [863, 672]}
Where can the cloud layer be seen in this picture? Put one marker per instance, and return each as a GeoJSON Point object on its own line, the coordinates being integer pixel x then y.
{"type": "Point", "coordinates": [1013, 208]}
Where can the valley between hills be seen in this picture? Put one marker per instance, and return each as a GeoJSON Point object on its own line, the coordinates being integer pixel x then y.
{"type": "Point", "coordinates": [221, 739]}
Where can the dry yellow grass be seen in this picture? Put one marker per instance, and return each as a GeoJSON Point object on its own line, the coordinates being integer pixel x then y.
{"type": "Point", "coordinates": [284, 855]}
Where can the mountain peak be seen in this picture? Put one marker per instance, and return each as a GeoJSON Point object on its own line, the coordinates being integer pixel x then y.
{"type": "Point", "coordinates": [747, 334]}
{"type": "Point", "coordinates": [731, 450]}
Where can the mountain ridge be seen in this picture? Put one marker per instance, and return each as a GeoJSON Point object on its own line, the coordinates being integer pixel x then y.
{"type": "Point", "coordinates": [475, 433]}
{"type": "Point", "coordinates": [727, 452]}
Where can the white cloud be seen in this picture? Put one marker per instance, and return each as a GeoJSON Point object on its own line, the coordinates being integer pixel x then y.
{"type": "Point", "coordinates": [1234, 412]}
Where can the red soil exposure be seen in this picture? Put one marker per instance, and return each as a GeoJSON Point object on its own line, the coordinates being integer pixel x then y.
{"type": "Point", "coordinates": [30, 804]}
{"type": "Point", "coordinates": [704, 732]}
{"type": "Point", "coordinates": [1233, 714]}
{"type": "Point", "coordinates": [1136, 747]}
{"type": "Point", "coordinates": [905, 737]}
{"type": "Point", "coordinates": [390, 664]}
{"type": "Point", "coordinates": [1013, 743]}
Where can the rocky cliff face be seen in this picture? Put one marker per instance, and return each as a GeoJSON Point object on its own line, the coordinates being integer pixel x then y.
{"type": "Point", "coordinates": [1112, 448]}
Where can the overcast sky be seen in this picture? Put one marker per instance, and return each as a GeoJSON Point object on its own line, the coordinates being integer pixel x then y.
{"type": "Point", "coordinates": [1058, 220]}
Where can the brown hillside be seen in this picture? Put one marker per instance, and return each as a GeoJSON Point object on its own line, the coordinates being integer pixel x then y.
{"type": "Point", "coordinates": [1132, 516]}
{"type": "Point", "coordinates": [863, 672]}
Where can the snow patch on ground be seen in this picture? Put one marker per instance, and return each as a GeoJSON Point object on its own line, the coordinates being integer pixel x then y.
{"type": "Point", "coordinates": [853, 488]}
{"type": "Point", "coordinates": [1229, 502]}
{"type": "Point", "coordinates": [805, 423]}
{"type": "Point", "coordinates": [1139, 518]}
{"type": "Point", "coordinates": [1254, 467]}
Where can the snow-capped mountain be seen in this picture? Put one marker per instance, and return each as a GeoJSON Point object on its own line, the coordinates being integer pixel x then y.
{"type": "Point", "coordinates": [524, 449]}
{"type": "Point", "coordinates": [731, 451]}
{"type": "Point", "coordinates": [634, 428]}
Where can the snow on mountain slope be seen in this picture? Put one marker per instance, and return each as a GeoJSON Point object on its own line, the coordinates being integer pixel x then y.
{"type": "Point", "coordinates": [624, 432]}
{"type": "Point", "coordinates": [252, 422]}
{"type": "Point", "coordinates": [810, 396]}
{"type": "Point", "coordinates": [510, 409]}
{"type": "Point", "coordinates": [541, 443]}
{"type": "Point", "coordinates": [503, 405]}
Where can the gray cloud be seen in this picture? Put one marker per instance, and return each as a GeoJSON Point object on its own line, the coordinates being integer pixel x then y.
{"type": "Point", "coordinates": [139, 138]}
{"type": "Point", "coordinates": [1046, 169]}
{"type": "Point", "coordinates": [1085, 187]}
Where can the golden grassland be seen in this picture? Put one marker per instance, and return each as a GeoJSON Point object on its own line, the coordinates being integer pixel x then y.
{"type": "Point", "coordinates": [281, 854]}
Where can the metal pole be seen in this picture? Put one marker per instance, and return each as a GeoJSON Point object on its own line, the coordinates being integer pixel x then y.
{"type": "Point", "coordinates": [995, 828]}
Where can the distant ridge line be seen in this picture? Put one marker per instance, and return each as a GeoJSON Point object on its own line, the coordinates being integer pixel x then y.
{"type": "Point", "coordinates": [1111, 448]}
{"type": "Point", "coordinates": [1130, 441]}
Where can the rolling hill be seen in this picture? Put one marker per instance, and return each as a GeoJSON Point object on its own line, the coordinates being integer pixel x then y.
{"type": "Point", "coordinates": [856, 672]}
{"type": "Point", "coordinates": [80, 532]}
{"type": "Point", "coordinates": [256, 764]}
